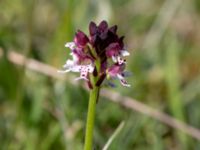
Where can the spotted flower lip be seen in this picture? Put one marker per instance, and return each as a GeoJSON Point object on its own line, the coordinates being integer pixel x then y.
{"type": "Point", "coordinates": [91, 54]}
{"type": "Point", "coordinates": [83, 69]}
{"type": "Point", "coordinates": [117, 71]}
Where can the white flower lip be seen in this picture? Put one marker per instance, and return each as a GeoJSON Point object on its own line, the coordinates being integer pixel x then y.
{"type": "Point", "coordinates": [121, 61]}
{"type": "Point", "coordinates": [125, 53]}
{"type": "Point", "coordinates": [85, 69]}
{"type": "Point", "coordinates": [72, 66]}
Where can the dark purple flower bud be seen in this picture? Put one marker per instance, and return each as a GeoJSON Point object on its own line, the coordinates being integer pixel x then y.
{"type": "Point", "coordinates": [92, 28]}
{"type": "Point", "coordinates": [120, 41]}
{"type": "Point", "coordinates": [89, 84]}
{"type": "Point", "coordinates": [111, 37]}
{"type": "Point", "coordinates": [113, 29]}
{"type": "Point", "coordinates": [95, 73]}
{"type": "Point", "coordinates": [103, 26]}
{"type": "Point", "coordinates": [81, 39]}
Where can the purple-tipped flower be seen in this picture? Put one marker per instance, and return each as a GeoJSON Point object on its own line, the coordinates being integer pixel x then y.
{"type": "Point", "coordinates": [91, 55]}
{"type": "Point", "coordinates": [81, 39]}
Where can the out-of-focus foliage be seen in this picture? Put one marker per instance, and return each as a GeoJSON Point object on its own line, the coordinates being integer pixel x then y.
{"type": "Point", "coordinates": [38, 112]}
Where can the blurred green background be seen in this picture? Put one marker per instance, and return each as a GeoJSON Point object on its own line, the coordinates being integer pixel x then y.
{"type": "Point", "coordinates": [39, 112]}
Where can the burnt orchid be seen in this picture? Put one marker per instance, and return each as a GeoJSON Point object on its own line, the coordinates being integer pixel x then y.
{"type": "Point", "coordinates": [98, 58]}
{"type": "Point", "coordinates": [92, 54]}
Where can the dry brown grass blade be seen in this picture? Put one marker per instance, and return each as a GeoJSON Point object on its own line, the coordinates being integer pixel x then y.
{"type": "Point", "coordinates": [135, 105]}
{"type": "Point", "coordinates": [127, 102]}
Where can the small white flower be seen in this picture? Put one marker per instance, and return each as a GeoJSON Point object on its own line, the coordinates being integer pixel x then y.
{"type": "Point", "coordinates": [85, 69]}
{"type": "Point", "coordinates": [70, 45]}
{"type": "Point", "coordinates": [70, 65]}
{"type": "Point", "coordinates": [117, 71]}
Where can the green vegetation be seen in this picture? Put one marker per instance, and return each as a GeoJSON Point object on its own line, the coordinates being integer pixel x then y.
{"type": "Point", "coordinates": [44, 113]}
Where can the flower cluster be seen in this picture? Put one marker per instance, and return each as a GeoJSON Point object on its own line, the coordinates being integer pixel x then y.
{"type": "Point", "coordinates": [99, 55]}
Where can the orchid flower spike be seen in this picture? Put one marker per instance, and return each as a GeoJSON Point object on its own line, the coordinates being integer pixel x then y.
{"type": "Point", "coordinates": [91, 55]}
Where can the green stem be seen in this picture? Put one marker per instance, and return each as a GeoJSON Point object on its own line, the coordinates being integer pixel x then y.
{"type": "Point", "coordinates": [90, 118]}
